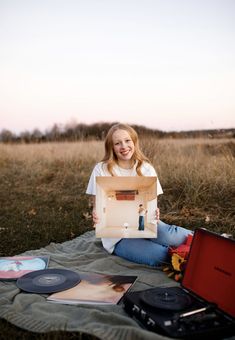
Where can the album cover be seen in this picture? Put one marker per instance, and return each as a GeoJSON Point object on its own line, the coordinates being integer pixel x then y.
{"type": "Point", "coordinates": [126, 206]}
{"type": "Point", "coordinates": [95, 289]}
{"type": "Point", "coordinates": [12, 268]}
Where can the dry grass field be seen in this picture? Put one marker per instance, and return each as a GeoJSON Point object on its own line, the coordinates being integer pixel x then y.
{"type": "Point", "coordinates": [42, 193]}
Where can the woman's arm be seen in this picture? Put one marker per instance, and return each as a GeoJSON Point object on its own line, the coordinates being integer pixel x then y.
{"type": "Point", "coordinates": [94, 215]}
{"type": "Point", "coordinates": [157, 214]}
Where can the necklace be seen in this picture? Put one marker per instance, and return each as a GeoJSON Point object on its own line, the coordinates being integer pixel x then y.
{"type": "Point", "coordinates": [125, 172]}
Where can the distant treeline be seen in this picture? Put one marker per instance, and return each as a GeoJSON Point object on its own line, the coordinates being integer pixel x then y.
{"type": "Point", "coordinates": [98, 131]}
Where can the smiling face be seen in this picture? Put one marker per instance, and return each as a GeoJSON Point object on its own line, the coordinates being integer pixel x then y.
{"type": "Point", "coordinates": [123, 147]}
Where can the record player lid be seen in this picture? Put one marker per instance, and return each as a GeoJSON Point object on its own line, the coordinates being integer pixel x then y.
{"type": "Point", "coordinates": [210, 271]}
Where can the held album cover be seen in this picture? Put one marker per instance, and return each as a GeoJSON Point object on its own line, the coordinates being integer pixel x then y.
{"type": "Point", "coordinates": [126, 206]}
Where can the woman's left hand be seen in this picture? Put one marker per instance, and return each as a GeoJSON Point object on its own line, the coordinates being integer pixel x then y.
{"type": "Point", "coordinates": [157, 214]}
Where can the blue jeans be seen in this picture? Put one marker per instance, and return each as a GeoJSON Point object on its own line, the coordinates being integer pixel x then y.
{"type": "Point", "coordinates": [152, 251]}
{"type": "Point", "coordinates": [141, 222]}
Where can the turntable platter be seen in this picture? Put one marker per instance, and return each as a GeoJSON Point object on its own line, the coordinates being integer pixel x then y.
{"type": "Point", "coordinates": [166, 298]}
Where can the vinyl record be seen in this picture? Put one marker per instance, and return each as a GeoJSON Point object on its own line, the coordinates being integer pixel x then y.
{"type": "Point", "coordinates": [166, 298]}
{"type": "Point", "coordinates": [48, 281]}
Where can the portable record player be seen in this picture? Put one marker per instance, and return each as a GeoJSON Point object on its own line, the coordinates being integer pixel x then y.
{"type": "Point", "coordinates": [204, 304]}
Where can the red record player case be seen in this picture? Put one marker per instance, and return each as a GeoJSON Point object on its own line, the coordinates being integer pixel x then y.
{"type": "Point", "coordinates": [210, 272]}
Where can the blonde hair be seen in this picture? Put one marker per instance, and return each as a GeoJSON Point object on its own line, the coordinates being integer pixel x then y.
{"type": "Point", "coordinates": [110, 158]}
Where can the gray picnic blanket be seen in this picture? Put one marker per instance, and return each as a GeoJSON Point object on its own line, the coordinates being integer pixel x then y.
{"type": "Point", "coordinates": [83, 254]}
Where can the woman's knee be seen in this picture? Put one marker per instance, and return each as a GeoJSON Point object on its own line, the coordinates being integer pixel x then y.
{"type": "Point", "coordinates": [171, 235]}
{"type": "Point", "coordinates": [142, 251]}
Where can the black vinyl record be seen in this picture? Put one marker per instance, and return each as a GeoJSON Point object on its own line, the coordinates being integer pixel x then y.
{"type": "Point", "coordinates": [166, 298]}
{"type": "Point", "coordinates": [48, 281]}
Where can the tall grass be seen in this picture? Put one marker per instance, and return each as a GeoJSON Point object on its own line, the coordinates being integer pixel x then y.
{"type": "Point", "coordinates": [198, 179]}
{"type": "Point", "coordinates": [43, 187]}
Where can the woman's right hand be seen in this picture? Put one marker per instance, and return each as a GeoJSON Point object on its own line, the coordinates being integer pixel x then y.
{"type": "Point", "coordinates": [95, 218]}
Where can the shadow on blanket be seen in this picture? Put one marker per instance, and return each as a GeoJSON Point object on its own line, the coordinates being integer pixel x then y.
{"type": "Point", "coordinates": [83, 254]}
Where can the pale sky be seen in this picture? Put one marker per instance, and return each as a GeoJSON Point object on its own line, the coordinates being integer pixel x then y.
{"type": "Point", "coordinates": [165, 64]}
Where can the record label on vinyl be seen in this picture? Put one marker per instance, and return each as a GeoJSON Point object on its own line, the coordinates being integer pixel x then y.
{"type": "Point", "coordinates": [48, 281]}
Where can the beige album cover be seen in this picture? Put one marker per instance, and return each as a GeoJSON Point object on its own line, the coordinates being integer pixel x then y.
{"type": "Point", "coordinates": [126, 206]}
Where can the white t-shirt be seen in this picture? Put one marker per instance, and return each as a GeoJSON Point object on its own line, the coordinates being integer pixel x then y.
{"type": "Point", "coordinates": [100, 169]}
{"type": "Point", "coordinates": [142, 212]}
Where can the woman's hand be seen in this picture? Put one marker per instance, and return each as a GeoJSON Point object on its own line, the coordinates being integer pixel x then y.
{"type": "Point", "coordinates": [157, 214]}
{"type": "Point", "coordinates": [95, 218]}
